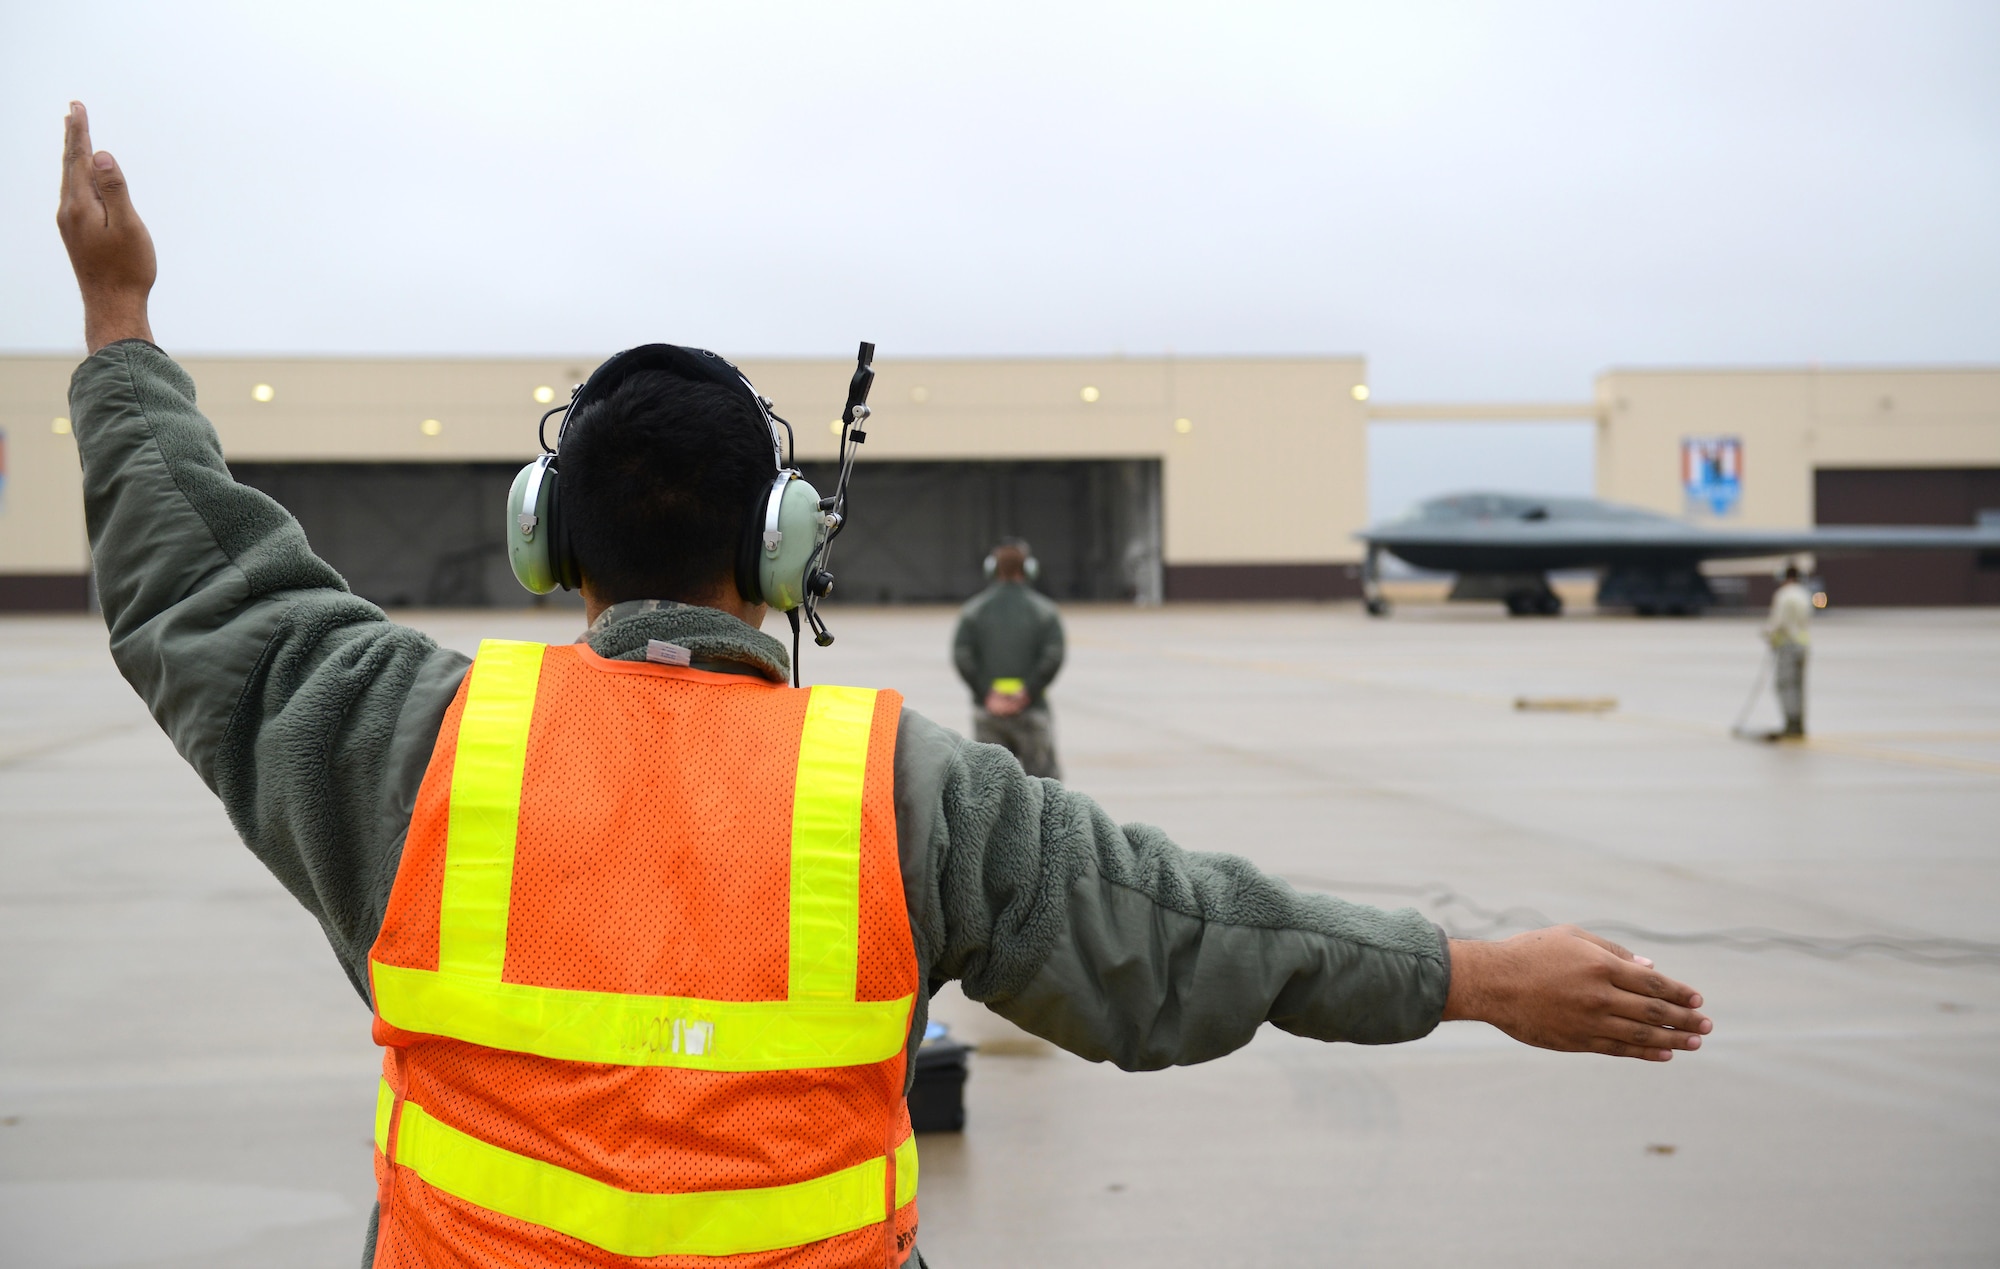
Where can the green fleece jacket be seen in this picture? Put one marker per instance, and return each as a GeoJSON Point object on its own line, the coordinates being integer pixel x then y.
{"type": "Point", "coordinates": [1008, 631]}
{"type": "Point", "coordinates": [312, 716]}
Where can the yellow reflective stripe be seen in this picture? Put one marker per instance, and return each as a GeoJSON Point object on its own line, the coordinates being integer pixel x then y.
{"type": "Point", "coordinates": [826, 844]}
{"type": "Point", "coordinates": [906, 1170]}
{"type": "Point", "coordinates": [485, 807]}
{"type": "Point", "coordinates": [385, 1106]}
{"type": "Point", "coordinates": [704, 1223]}
{"type": "Point", "coordinates": [1007, 687]}
{"type": "Point", "coordinates": [622, 1030]}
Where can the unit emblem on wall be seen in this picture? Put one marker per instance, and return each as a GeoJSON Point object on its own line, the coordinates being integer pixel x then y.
{"type": "Point", "coordinates": [1712, 473]}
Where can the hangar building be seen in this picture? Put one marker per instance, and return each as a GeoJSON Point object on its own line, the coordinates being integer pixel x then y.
{"type": "Point", "coordinates": [1141, 479]}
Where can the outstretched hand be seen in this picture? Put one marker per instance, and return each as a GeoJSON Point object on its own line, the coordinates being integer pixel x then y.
{"type": "Point", "coordinates": [108, 244]}
{"type": "Point", "coordinates": [1567, 989]}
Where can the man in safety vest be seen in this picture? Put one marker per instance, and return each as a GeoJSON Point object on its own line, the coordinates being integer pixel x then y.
{"type": "Point", "coordinates": [648, 934]}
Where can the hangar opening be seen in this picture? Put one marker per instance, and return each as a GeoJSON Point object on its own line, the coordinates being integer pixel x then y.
{"type": "Point", "coordinates": [405, 535]}
{"type": "Point", "coordinates": [432, 535]}
{"type": "Point", "coordinates": [1910, 495]}
{"type": "Point", "coordinates": [921, 531]}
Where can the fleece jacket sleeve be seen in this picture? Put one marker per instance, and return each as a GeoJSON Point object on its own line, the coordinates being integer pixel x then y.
{"type": "Point", "coordinates": [306, 710]}
{"type": "Point", "coordinates": [1119, 946]}
{"type": "Point", "coordinates": [1048, 654]}
{"type": "Point", "coordinates": [965, 655]}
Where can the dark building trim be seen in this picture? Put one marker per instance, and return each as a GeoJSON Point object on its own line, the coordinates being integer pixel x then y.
{"type": "Point", "coordinates": [44, 592]}
{"type": "Point", "coordinates": [1908, 495]}
{"type": "Point", "coordinates": [1262, 581]}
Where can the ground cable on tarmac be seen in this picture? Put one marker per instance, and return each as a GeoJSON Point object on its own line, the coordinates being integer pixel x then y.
{"type": "Point", "coordinates": [1485, 922]}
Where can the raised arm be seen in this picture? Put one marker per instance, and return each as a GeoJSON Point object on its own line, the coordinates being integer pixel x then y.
{"type": "Point", "coordinates": [108, 244]}
{"type": "Point", "coordinates": [299, 704]}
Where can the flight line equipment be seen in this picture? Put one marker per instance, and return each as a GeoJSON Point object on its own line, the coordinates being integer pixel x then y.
{"type": "Point", "coordinates": [1737, 728]}
{"type": "Point", "coordinates": [788, 533]}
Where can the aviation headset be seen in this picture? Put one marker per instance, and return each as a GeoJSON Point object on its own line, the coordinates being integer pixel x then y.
{"type": "Point", "coordinates": [788, 531]}
{"type": "Point", "coordinates": [1029, 564]}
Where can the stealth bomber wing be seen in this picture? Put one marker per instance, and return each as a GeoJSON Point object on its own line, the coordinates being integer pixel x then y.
{"type": "Point", "coordinates": [1503, 546]}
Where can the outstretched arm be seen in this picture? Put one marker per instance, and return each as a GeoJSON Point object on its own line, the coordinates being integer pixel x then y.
{"type": "Point", "coordinates": [307, 711]}
{"type": "Point", "coordinates": [1116, 944]}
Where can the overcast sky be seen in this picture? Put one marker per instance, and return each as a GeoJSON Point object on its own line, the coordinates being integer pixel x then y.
{"type": "Point", "coordinates": [1490, 202]}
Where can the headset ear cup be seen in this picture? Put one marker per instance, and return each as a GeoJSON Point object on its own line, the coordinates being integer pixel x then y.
{"type": "Point", "coordinates": [801, 528]}
{"type": "Point", "coordinates": [1032, 567]}
{"type": "Point", "coordinates": [528, 547]}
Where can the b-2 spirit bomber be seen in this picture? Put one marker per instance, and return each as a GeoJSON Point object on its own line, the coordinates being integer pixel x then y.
{"type": "Point", "coordinates": [1503, 546]}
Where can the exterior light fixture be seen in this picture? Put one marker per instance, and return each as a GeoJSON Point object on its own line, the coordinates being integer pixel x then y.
{"type": "Point", "coordinates": [59, 425]}
{"type": "Point", "coordinates": [263, 392]}
{"type": "Point", "coordinates": [544, 394]}
{"type": "Point", "coordinates": [430, 427]}
{"type": "Point", "coordinates": [1183, 426]}
{"type": "Point", "coordinates": [1360, 392]}
{"type": "Point", "coordinates": [834, 427]}
{"type": "Point", "coordinates": [1089, 394]}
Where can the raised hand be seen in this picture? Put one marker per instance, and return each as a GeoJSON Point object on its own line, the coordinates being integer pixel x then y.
{"type": "Point", "coordinates": [109, 247]}
{"type": "Point", "coordinates": [1567, 989]}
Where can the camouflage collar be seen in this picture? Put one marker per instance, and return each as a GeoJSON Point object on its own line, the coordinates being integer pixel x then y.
{"type": "Point", "coordinates": [714, 639]}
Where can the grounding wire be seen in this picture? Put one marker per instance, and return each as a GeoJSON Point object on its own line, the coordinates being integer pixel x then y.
{"type": "Point", "coordinates": [1486, 922]}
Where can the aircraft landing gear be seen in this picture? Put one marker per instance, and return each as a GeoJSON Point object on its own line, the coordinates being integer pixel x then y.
{"type": "Point", "coordinates": [1525, 594]}
{"type": "Point", "coordinates": [1674, 590]}
{"type": "Point", "coordinates": [1545, 603]}
{"type": "Point", "coordinates": [1371, 584]}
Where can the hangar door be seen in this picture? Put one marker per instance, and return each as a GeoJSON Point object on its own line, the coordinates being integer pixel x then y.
{"type": "Point", "coordinates": [1906, 495]}
{"type": "Point", "coordinates": [432, 535]}
{"type": "Point", "coordinates": [919, 532]}
{"type": "Point", "coordinates": [406, 535]}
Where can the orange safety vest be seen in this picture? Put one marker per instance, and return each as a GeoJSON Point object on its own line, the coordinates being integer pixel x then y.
{"type": "Point", "coordinates": [645, 978]}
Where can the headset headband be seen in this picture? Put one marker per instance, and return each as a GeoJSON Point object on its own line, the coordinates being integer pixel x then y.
{"type": "Point", "coordinates": [696, 364]}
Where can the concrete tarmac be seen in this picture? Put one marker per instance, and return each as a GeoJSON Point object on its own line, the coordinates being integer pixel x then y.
{"type": "Point", "coordinates": [186, 1077]}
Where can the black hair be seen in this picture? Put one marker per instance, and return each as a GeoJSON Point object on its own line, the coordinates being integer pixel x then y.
{"type": "Point", "coordinates": [659, 480]}
{"type": "Point", "coordinates": [1791, 572]}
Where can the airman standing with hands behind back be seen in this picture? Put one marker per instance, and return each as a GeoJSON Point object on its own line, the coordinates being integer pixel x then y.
{"type": "Point", "coordinates": [1008, 649]}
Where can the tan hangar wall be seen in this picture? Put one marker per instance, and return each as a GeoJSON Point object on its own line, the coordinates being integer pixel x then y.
{"type": "Point", "coordinates": [1270, 465]}
{"type": "Point", "coordinates": [1791, 422]}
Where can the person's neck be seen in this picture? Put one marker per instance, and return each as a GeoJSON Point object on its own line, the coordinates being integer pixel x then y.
{"type": "Point", "coordinates": [751, 615]}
